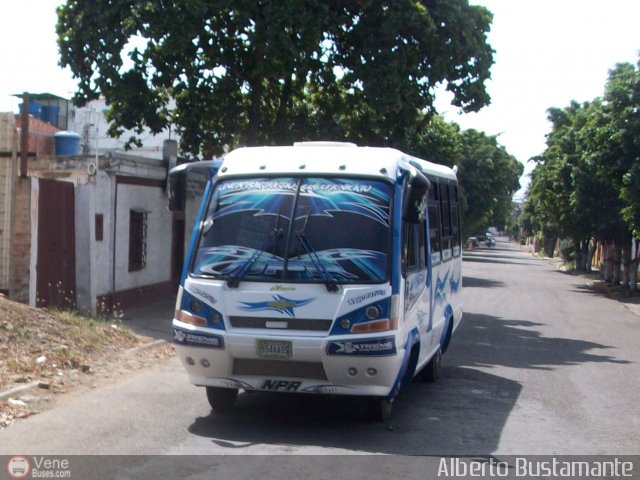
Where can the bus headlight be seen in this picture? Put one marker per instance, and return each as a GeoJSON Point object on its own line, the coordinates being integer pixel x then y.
{"type": "Point", "coordinates": [373, 317]}
{"type": "Point", "coordinates": [197, 312]}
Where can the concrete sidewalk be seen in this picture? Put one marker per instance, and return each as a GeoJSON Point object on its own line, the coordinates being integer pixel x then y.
{"type": "Point", "coordinates": [152, 318]}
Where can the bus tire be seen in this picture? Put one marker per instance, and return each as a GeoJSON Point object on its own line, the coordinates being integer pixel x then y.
{"type": "Point", "coordinates": [429, 373]}
{"type": "Point", "coordinates": [431, 370]}
{"type": "Point", "coordinates": [379, 409]}
{"type": "Point", "coordinates": [221, 399]}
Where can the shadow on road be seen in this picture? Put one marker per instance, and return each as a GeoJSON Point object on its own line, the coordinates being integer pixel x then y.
{"type": "Point", "coordinates": [504, 252]}
{"type": "Point", "coordinates": [463, 413]}
{"type": "Point", "coordinates": [489, 341]}
{"type": "Point", "coordinates": [494, 259]}
{"type": "Point", "coordinates": [600, 288]}
{"type": "Point", "coordinates": [474, 282]}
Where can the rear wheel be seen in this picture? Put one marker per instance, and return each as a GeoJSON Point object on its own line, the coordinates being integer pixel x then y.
{"type": "Point", "coordinates": [432, 368]}
{"type": "Point", "coordinates": [221, 399]}
{"type": "Point", "coordinates": [430, 372]}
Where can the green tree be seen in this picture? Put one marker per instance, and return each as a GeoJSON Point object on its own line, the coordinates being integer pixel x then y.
{"type": "Point", "coordinates": [569, 197]}
{"type": "Point", "coordinates": [586, 184]}
{"type": "Point", "coordinates": [266, 72]}
{"type": "Point", "coordinates": [438, 141]}
{"type": "Point", "coordinates": [561, 190]}
{"type": "Point", "coordinates": [617, 156]}
{"type": "Point", "coordinates": [489, 176]}
{"type": "Point", "coordinates": [620, 157]}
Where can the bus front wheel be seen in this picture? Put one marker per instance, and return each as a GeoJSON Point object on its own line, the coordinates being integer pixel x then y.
{"type": "Point", "coordinates": [221, 399]}
{"type": "Point", "coordinates": [379, 409]}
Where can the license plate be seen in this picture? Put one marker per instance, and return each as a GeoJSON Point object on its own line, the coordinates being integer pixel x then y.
{"type": "Point", "coordinates": [274, 349]}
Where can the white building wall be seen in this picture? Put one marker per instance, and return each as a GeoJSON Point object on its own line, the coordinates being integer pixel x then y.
{"type": "Point", "coordinates": [158, 265]}
{"type": "Point", "coordinates": [83, 229]}
{"type": "Point", "coordinates": [103, 251]}
{"type": "Point", "coordinates": [90, 122]}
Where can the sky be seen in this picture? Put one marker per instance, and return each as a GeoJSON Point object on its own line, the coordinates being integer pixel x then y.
{"type": "Point", "coordinates": [547, 53]}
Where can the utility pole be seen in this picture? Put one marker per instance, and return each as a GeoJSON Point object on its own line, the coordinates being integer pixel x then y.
{"type": "Point", "coordinates": [24, 135]}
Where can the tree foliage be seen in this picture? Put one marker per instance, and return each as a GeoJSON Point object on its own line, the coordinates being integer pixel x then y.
{"type": "Point", "coordinates": [246, 72]}
{"type": "Point", "coordinates": [489, 177]}
{"type": "Point", "coordinates": [587, 182]}
{"type": "Point", "coordinates": [620, 161]}
{"type": "Point", "coordinates": [267, 72]}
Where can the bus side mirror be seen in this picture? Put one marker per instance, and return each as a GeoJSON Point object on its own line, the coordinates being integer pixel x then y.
{"type": "Point", "coordinates": [177, 181]}
{"type": "Point", "coordinates": [414, 199]}
{"type": "Point", "coordinates": [177, 190]}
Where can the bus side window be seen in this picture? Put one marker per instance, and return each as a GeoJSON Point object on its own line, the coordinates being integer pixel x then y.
{"type": "Point", "coordinates": [409, 261]}
{"type": "Point", "coordinates": [422, 245]}
{"type": "Point", "coordinates": [455, 221]}
{"type": "Point", "coordinates": [445, 210]}
{"type": "Point", "coordinates": [433, 206]}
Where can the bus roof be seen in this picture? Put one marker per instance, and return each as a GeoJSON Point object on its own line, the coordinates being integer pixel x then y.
{"type": "Point", "coordinates": [325, 158]}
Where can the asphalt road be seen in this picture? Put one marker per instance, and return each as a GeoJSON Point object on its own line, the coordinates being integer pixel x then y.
{"type": "Point", "coordinates": [541, 364]}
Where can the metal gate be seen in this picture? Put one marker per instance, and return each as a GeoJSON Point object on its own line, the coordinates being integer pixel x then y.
{"type": "Point", "coordinates": [56, 265]}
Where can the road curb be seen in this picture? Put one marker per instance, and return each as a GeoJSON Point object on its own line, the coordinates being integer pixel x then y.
{"type": "Point", "coordinates": [21, 389]}
{"type": "Point", "coordinates": [601, 287]}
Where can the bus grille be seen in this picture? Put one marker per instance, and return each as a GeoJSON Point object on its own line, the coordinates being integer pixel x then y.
{"type": "Point", "coordinates": [279, 368]}
{"type": "Point", "coordinates": [291, 323]}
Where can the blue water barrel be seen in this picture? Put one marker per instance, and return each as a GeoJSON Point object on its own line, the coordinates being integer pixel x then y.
{"type": "Point", "coordinates": [67, 143]}
{"type": "Point", "coordinates": [50, 114]}
{"type": "Point", "coordinates": [35, 109]}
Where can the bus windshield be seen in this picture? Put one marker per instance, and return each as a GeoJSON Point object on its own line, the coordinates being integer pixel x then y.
{"type": "Point", "coordinates": [297, 229]}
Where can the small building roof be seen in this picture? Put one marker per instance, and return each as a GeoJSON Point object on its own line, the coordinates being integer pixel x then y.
{"type": "Point", "coordinates": [41, 96]}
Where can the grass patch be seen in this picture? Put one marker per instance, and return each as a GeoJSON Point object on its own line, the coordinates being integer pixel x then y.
{"type": "Point", "coordinates": [42, 343]}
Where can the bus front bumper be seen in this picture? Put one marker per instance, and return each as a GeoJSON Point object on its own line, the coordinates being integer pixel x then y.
{"type": "Point", "coordinates": [353, 365]}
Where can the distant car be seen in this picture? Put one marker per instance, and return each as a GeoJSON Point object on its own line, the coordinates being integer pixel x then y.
{"type": "Point", "coordinates": [490, 240]}
{"type": "Point", "coordinates": [473, 242]}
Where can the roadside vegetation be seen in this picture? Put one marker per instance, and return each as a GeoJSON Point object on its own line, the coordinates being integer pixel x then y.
{"type": "Point", "coordinates": [585, 189]}
{"type": "Point", "coordinates": [39, 344]}
{"type": "Point", "coordinates": [56, 352]}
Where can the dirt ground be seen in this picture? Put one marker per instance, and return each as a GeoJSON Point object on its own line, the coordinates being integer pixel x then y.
{"type": "Point", "coordinates": [58, 354]}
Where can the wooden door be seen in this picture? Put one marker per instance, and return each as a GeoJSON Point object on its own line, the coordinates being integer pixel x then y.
{"type": "Point", "coordinates": [56, 262]}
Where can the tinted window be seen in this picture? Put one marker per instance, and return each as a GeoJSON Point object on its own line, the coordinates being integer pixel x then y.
{"type": "Point", "coordinates": [433, 206]}
{"type": "Point", "coordinates": [455, 217]}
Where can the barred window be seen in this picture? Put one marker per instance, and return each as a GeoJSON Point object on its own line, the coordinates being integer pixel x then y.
{"type": "Point", "coordinates": [137, 240]}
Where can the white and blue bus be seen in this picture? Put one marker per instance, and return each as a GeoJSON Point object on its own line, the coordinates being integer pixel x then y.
{"type": "Point", "coordinates": [320, 268]}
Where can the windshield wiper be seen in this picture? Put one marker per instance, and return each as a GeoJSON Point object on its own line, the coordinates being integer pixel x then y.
{"type": "Point", "coordinates": [329, 281]}
{"type": "Point", "coordinates": [242, 270]}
